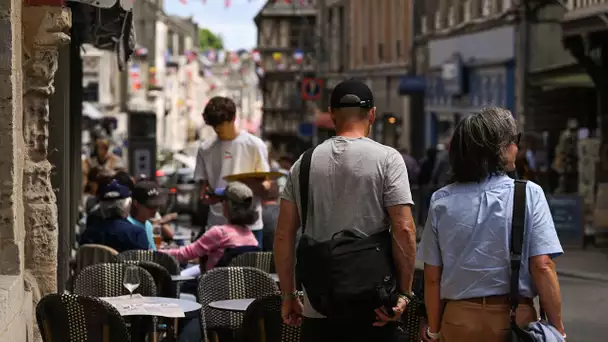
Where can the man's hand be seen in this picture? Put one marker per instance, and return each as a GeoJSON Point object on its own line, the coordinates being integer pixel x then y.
{"type": "Point", "coordinates": [291, 311]}
{"type": "Point", "coordinates": [382, 317]}
{"type": "Point", "coordinates": [257, 185]}
{"type": "Point", "coordinates": [424, 325]}
{"type": "Point", "coordinates": [210, 200]}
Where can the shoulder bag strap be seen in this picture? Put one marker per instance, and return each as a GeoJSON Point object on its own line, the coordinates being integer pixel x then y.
{"type": "Point", "coordinates": [304, 182]}
{"type": "Point", "coordinates": [517, 240]}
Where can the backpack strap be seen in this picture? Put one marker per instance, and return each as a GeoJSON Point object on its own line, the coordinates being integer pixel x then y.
{"type": "Point", "coordinates": [517, 241]}
{"type": "Point", "coordinates": [304, 180]}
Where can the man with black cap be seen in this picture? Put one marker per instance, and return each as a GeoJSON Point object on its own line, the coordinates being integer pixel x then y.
{"type": "Point", "coordinates": [354, 184]}
{"type": "Point", "coordinates": [113, 229]}
{"type": "Point", "coordinates": [147, 198]}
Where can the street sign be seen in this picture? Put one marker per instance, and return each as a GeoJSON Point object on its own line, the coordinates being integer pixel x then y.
{"type": "Point", "coordinates": [312, 88]}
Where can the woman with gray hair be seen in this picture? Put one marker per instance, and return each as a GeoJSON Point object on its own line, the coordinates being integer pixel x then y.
{"type": "Point", "coordinates": [465, 245]}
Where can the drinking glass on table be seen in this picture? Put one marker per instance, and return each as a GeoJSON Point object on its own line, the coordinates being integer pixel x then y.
{"type": "Point", "coordinates": [131, 279]}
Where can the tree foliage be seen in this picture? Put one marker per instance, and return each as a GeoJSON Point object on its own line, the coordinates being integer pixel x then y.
{"type": "Point", "coordinates": [209, 40]}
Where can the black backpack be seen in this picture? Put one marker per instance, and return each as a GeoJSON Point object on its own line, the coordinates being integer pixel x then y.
{"type": "Point", "coordinates": [349, 276]}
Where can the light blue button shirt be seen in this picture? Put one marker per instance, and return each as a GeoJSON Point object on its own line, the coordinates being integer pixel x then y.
{"type": "Point", "coordinates": [149, 228]}
{"type": "Point", "coordinates": [468, 231]}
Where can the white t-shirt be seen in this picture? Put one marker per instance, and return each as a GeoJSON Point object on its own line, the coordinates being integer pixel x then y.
{"type": "Point", "coordinates": [218, 158]}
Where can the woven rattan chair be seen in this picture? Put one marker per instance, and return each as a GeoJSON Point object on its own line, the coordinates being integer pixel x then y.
{"type": "Point", "coordinates": [163, 259]}
{"type": "Point", "coordinates": [67, 318]}
{"type": "Point", "coordinates": [225, 283]}
{"type": "Point", "coordinates": [162, 278]}
{"type": "Point", "coordinates": [261, 260]}
{"type": "Point", "coordinates": [263, 322]}
{"type": "Point", "coordinates": [93, 254]}
{"type": "Point", "coordinates": [415, 309]}
{"type": "Point", "coordinates": [105, 280]}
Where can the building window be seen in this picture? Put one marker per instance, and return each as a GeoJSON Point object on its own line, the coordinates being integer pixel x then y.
{"type": "Point", "coordinates": [486, 9]}
{"type": "Point", "coordinates": [424, 25]}
{"type": "Point", "coordinates": [452, 16]}
{"type": "Point", "coordinates": [380, 52]}
{"type": "Point", "coordinates": [467, 9]}
{"type": "Point", "coordinates": [398, 48]}
{"type": "Point", "coordinates": [438, 25]}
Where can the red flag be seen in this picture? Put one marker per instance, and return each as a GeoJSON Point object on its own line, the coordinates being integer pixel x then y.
{"type": "Point", "coordinates": [227, 3]}
{"type": "Point", "coordinates": [183, 2]}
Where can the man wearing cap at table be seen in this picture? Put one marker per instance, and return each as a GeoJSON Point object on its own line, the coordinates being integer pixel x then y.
{"type": "Point", "coordinates": [114, 230]}
{"type": "Point", "coordinates": [147, 198]}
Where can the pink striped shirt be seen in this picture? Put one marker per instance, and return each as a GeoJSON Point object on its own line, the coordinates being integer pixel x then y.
{"type": "Point", "coordinates": [213, 243]}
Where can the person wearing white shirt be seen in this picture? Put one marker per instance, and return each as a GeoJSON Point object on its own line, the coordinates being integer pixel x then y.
{"type": "Point", "coordinates": [231, 152]}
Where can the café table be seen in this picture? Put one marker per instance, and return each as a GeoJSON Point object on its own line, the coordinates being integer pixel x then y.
{"type": "Point", "coordinates": [180, 278]}
{"type": "Point", "coordinates": [234, 305]}
{"type": "Point", "coordinates": [125, 304]}
{"type": "Point", "coordinates": [132, 306]}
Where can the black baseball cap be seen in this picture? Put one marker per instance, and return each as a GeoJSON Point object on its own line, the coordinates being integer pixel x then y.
{"type": "Point", "coordinates": [351, 93]}
{"type": "Point", "coordinates": [149, 194]}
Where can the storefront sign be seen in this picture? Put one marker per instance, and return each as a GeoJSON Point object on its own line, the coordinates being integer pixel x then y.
{"type": "Point", "coordinates": [452, 73]}
{"type": "Point", "coordinates": [567, 213]}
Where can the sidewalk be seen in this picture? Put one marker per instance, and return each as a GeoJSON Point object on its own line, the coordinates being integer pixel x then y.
{"type": "Point", "coordinates": [590, 264]}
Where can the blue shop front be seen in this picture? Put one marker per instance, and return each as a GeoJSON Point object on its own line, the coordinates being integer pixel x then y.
{"type": "Point", "coordinates": [467, 73]}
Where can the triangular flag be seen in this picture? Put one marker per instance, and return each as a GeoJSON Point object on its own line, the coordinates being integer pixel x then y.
{"type": "Point", "coordinates": [227, 3]}
{"type": "Point", "coordinates": [183, 2]}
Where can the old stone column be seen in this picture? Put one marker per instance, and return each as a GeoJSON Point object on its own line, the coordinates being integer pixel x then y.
{"type": "Point", "coordinates": [45, 27]}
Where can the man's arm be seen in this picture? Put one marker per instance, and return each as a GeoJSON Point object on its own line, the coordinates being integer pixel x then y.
{"type": "Point", "coordinates": [404, 244]}
{"type": "Point", "coordinates": [285, 236]}
{"type": "Point", "coordinates": [542, 269]}
{"type": "Point", "coordinates": [397, 198]}
{"type": "Point", "coordinates": [284, 245]}
{"type": "Point", "coordinates": [544, 246]}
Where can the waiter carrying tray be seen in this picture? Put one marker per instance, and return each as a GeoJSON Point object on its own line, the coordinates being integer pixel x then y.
{"type": "Point", "coordinates": [231, 152]}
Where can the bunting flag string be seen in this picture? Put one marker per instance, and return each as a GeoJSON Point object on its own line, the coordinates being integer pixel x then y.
{"type": "Point", "coordinates": [227, 3]}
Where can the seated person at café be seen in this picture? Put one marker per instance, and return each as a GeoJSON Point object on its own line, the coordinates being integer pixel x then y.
{"type": "Point", "coordinates": [113, 229]}
{"type": "Point", "coordinates": [147, 198]}
{"type": "Point", "coordinates": [237, 200]}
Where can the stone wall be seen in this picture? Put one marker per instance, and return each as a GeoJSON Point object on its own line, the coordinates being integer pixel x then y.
{"type": "Point", "coordinates": [28, 210]}
{"type": "Point", "coordinates": [15, 303]}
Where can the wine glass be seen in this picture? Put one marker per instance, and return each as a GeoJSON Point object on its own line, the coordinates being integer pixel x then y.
{"type": "Point", "coordinates": [131, 279]}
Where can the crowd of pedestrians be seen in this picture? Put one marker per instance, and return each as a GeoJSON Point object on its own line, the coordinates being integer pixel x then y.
{"type": "Point", "coordinates": [341, 225]}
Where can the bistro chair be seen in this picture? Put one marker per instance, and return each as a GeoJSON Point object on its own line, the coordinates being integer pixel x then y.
{"type": "Point", "coordinates": [415, 309]}
{"type": "Point", "coordinates": [263, 322]}
{"type": "Point", "coordinates": [163, 259]}
{"type": "Point", "coordinates": [106, 280]}
{"type": "Point", "coordinates": [87, 255]}
{"type": "Point", "coordinates": [225, 283]}
{"type": "Point", "coordinates": [67, 317]}
{"type": "Point", "coordinates": [261, 260]}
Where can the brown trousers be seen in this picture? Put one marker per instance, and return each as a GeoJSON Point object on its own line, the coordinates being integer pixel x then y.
{"type": "Point", "coordinates": [482, 320]}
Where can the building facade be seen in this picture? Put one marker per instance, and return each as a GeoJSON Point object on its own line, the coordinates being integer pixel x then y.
{"type": "Point", "coordinates": [286, 55]}
{"type": "Point", "coordinates": [468, 56]}
{"type": "Point", "coordinates": [34, 32]}
{"type": "Point", "coordinates": [370, 40]}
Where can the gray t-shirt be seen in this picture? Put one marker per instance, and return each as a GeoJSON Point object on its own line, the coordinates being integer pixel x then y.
{"type": "Point", "coordinates": [352, 183]}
